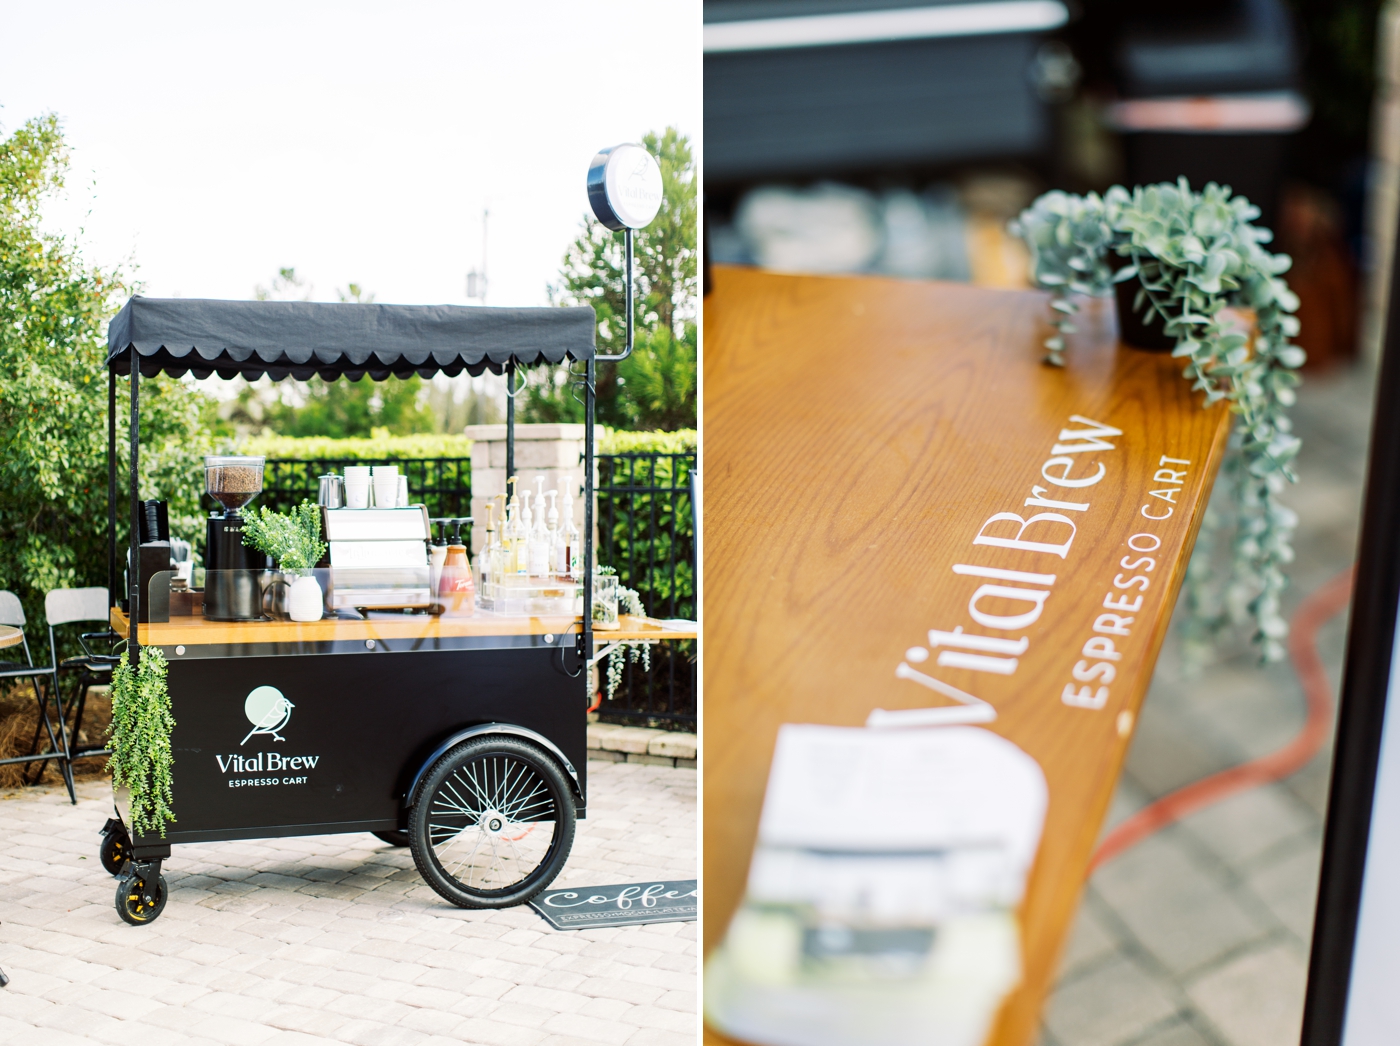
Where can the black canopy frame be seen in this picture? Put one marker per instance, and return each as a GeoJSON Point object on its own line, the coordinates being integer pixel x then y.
{"type": "Point", "coordinates": [204, 337]}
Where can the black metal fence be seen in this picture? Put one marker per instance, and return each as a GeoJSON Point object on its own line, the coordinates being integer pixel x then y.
{"type": "Point", "coordinates": [645, 531]}
{"type": "Point", "coordinates": [443, 484]}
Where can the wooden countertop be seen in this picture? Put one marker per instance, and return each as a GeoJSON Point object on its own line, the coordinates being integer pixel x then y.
{"type": "Point", "coordinates": [196, 631]}
{"type": "Point", "coordinates": [859, 434]}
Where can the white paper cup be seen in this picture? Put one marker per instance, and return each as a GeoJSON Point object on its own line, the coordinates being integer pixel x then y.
{"type": "Point", "coordinates": [386, 491]}
{"type": "Point", "coordinates": [385, 470]}
{"type": "Point", "coordinates": [403, 492]}
{"type": "Point", "coordinates": [356, 492]}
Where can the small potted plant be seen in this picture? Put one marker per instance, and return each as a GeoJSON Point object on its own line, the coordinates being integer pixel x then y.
{"type": "Point", "coordinates": [293, 539]}
{"type": "Point", "coordinates": [1182, 258]}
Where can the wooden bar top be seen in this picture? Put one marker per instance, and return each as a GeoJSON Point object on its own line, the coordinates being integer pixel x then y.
{"type": "Point", "coordinates": [876, 454]}
{"type": "Point", "coordinates": [197, 631]}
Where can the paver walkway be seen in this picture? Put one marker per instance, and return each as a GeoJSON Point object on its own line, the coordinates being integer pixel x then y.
{"type": "Point", "coordinates": [289, 942]}
{"type": "Point", "coordinates": [1199, 935]}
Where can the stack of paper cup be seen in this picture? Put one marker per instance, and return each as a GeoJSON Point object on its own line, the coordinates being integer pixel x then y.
{"type": "Point", "coordinates": [386, 486]}
{"type": "Point", "coordinates": [403, 492]}
{"type": "Point", "coordinates": [357, 479]}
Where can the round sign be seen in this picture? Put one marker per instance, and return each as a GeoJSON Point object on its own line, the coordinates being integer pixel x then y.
{"type": "Point", "coordinates": [624, 187]}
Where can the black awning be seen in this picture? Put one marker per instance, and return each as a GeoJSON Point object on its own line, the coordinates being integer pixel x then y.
{"type": "Point", "coordinates": [299, 339]}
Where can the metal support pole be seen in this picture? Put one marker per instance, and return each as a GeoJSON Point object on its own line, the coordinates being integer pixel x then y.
{"type": "Point", "coordinates": [630, 310]}
{"type": "Point", "coordinates": [133, 570]}
{"type": "Point", "coordinates": [112, 572]}
{"type": "Point", "coordinates": [510, 422]}
{"type": "Point", "coordinates": [587, 634]}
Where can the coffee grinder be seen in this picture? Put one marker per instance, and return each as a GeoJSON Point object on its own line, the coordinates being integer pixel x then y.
{"type": "Point", "coordinates": [231, 590]}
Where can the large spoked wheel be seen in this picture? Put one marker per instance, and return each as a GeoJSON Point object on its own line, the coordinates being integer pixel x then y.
{"type": "Point", "coordinates": [493, 823]}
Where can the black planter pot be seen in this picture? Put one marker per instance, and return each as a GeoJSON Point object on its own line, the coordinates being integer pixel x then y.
{"type": "Point", "coordinates": [1132, 331]}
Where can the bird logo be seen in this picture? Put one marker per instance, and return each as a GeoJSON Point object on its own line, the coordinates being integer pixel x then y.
{"type": "Point", "coordinates": [268, 711]}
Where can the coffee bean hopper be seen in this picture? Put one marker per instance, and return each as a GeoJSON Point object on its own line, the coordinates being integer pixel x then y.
{"type": "Point", "coordinates": [231, 590]}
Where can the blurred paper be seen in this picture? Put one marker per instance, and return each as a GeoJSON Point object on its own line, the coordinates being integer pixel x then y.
{"type": "Point", "coordinates": [881, 895]}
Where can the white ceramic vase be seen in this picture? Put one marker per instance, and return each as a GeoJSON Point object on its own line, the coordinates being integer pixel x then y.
{"type": "Point", "coordinates": [304, 599]}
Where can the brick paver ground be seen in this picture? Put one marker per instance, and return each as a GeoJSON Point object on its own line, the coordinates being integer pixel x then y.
{"type": "Point", "coordinates": [288, 942]}
{"type": "Point", "coordinates": [1199, 935]}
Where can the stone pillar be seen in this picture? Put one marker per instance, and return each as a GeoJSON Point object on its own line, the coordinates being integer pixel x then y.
{"type": "Point", "coordinates": [552, 451]}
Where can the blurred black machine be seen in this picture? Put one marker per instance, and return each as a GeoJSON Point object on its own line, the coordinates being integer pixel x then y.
{"type": "Point", "coordinates": [809, 87]}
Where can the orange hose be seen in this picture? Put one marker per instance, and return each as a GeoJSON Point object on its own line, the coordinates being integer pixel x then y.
{"type": "Point", "coordinates": [1312, 614]}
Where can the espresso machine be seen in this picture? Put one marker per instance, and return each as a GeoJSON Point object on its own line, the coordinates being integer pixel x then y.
{"type": "Point", "coordinates": [231, 589]}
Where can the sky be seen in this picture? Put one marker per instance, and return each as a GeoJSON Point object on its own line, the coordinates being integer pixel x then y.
{"type": "Point", "coordinates": [213, 144]}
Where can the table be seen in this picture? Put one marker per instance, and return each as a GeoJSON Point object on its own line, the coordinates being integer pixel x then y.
{"type": "Point", "coordinates": [10, 636]}
{"type": "Point", "coordinates": [859, 432]}
{"type": "Point", "coordinates": [198, 631]}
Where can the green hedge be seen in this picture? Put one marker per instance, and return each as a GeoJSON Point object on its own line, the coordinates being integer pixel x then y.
{"type": "Point", "coordinates": [445, 446]}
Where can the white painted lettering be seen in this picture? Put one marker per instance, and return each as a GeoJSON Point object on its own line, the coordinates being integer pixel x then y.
{"type": "Point", "coordinates": [1089, 437]}
{"type": "Point", "coordinates": [1112, 624]}
{"type": "Point", "coordinates": [1041, 501]}
{"type": "Point", "coordinates": [1167, 476]}
{"type": "Point", "coordinates": [1081, 698]}
{"type": "Point", "coordinates": [1118, 582]}
{"type": "Point", "coordinates": [971, 641]}
{"type": "Point", "coordinates": [1156, 543]}
{"type": "Point", "coordinates": [1028, 546]}
{"type": "Point", "coordinates": [1064, 480]}
{"type": "Point", "coordinates": [997, 574]}
{"type": "Point", "coordinates": [1002, 666]}
{"type": "Point", "coordinates": [1007, 621]}
{"type": "Point", "coordinates": [1087, 673]}
{"type": "Point", "coordinates": [1169, 494]}
{"type": "Point", "coordinates": [1137, 564]}
{"type": "Point", "coordinates": [1149, 515]}
{"type": "Point", "coordinates": [1164, 460]}
{"type": "Point", "coordinates": [1101, 647]}
{"type": "Point", "coordinates": [1109, 603]}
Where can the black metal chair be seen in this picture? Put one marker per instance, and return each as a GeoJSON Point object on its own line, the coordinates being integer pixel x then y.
{"type": "Point", "coordinates": [65, 606]}
{"type": "Point", "coordinates": [12, 613]}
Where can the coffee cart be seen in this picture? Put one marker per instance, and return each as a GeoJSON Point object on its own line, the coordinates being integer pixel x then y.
{"type": "Point", "coordinates": [464, 738]}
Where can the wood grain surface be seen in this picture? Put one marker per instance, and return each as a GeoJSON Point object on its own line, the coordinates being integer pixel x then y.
{"type": "Point", "coordinates": [196, 631]}
{"type": "Point", "coordinates": [858, 435]}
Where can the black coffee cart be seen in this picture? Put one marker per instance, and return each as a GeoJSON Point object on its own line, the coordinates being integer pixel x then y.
{"type": "Point", "coordinates": [464, 739]}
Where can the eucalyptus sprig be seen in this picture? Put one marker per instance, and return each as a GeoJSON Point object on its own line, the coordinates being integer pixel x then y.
{"type": "Point", "coordinates": [142, 722]}
{"type": "Point", "coordinates": [292, 538]}
{"type": "Point", "coordinates": [1195, 254]}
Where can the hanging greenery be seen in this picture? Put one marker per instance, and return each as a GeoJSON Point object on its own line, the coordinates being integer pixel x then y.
{"type": "Point", "coordinates": [140, 733]}
{"type": "Point", "coordinates": [1194, 254]}
{"type": "Point", "coordinates": [628, 602]}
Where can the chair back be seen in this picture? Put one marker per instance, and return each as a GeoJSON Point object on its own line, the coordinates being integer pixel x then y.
{"type": "Point", "coordinates": [11, 612]}
{"type": "Point", "coordinates": [65, 605]}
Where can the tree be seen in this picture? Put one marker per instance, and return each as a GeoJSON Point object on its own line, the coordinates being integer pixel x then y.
{"type": "Point", "coordinates": [664, 313]}
{"type": "Point", "coordinates": [53, 395]}
{"type": "Point", "coordinates": [338, 409]}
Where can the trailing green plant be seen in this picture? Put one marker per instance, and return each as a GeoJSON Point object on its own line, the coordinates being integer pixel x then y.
{"type": "Point", "coordinates": [292, 538]}
{"type": "Point", "coordinates": [628, 602]}
{"type": "Point", "coordinates": [142, 722]}
{"type": "Point", "coordinates": [1194, 255]}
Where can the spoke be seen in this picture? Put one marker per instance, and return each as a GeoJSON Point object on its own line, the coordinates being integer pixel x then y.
{"type": "Point", "coordinates": [525, 803]}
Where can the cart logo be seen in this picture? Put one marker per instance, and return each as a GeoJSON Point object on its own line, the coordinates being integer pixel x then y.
{"type": "Point", "coordinates": [268, 711]}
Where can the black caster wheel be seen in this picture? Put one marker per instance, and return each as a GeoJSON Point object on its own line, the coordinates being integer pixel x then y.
{"type": "Point", "coordinates": [115, 851]}
{"type": "Point", "coordinates": [493, 823]}
{"type": "Point", "coordinates": [140, 901]}
{"type": "Point", "coordinates": [398, 837]}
